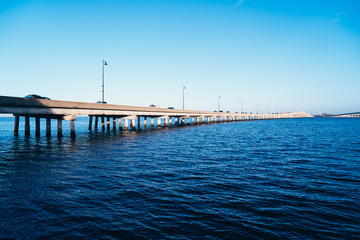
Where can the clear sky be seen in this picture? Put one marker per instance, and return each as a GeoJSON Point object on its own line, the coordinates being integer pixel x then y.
{"type": "Point", "coordinates": [275, 54]}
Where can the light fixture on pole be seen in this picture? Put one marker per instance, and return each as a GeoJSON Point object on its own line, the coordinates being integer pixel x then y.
{"type": "Point", "coordinates": [242, 106]}
{"type": "Point", "coordinates": [103, 64]}
{"type": "Point", "coordinates": [257, 111]}
{"type": "Point", "coordinates": [184, 97]}
{"type": "Point", "coordinates": [219, 103]}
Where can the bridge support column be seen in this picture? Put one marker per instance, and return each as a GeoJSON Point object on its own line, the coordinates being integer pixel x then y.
{"type": "Point", "coordinates": [27, 126]}
{"type": "Point", "coordinates": [90, 123]}
{"type": "Point", "coordinates": [182, 121]}
{"type": "Point", "coordinates": [103, 123]}
{"type": "Point", "coordinates": [133, 124]}
{"type": "Point", "coordinates": [114, 124]}
{"type": "Point", "coordinates": [108, 123]}
{"type": "Point", "coordinates": [126, 124]}
{"type": "Point", "coordinates": [16, 126]}
{"type": "Point", "coordinates": [170, 120]}
{"type": "Point", "coordinates": [48, 127]}
{"type": "Point", "coordinates": [96, 123]}
{"type": "Point", "coordinates": [59, 127]}
{"type": "Point", "coordinates": [166, 122]}
{"type": "Point", "coordinates": [120, 124]}
{"type": "Point", "coordinates": [72, 129]}
{"type": "Point", "coordinates": [138, 122]}
{"type": "Point", "coordinates": [145, 122]}
{"type": "Point", "coordinates": [152, 122]}
{"type": "Point", "coordinates": [159, 122]}
{"type": "Point", "coordinates": [37, 127]}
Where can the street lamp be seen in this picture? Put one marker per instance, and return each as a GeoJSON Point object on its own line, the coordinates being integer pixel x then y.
{"type": "Point", "coordinates": [103, 64]}
{"type": "Point", "coordinates": [184, 97]}
{"type": "Point", "coordinates": [242, 106]}
{"type": "Point", "coordinates": [257, 111]}
{"type": "Point", "coordinates": [219, 103]}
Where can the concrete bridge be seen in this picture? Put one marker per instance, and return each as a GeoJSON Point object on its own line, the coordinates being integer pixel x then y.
{"type": "Point", "coordinates": [128, 116]}
{"type": "Point", "coordinates": [352, 115]}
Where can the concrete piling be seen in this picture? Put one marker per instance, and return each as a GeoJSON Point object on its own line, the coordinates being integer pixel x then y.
{"type": "Point", "coordinates": [120, 124]}
{"type": "Point", "coordinates": [133, 124]}
{"type": "Point", "coordinates": [126, 124]}
{"type": "Point", "coordinates": [103, 123]}
{"type": "Point", "coordinates": [48, 127]}
{"type": "Point", "coordinates": [72, 129]}
{"type": "Point", "coordinates": [59, 127]}
{"type": "Point", "coordinates": [16, 126]}
{"type": "Point", "coordinates": [90, 122]}
{"type": "Point", "coordinates": [27, 126]}
{"type": "Point", "coordinates": [96, 123]}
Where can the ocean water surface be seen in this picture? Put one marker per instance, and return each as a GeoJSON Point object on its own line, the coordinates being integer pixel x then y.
{"type": "Point", "coordinates": [273, 179]}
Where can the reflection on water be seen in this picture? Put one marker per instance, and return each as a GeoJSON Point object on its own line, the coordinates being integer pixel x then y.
{"type": "Point", "coordinates": [263, 180]}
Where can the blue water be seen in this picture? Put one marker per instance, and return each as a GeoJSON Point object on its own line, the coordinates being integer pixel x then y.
{"type": "Point", "coordinates": [274, 179]}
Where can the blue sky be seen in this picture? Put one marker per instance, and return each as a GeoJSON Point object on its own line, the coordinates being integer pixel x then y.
{"type": "Point", "coordinates": [278, 55]}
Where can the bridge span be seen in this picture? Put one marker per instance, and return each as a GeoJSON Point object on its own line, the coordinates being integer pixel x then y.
{"type": "Point", "coordinates": [347, 115]}
{"type": "Point", "coordinates": [122, 117]}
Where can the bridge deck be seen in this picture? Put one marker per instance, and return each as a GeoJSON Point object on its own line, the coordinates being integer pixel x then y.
{"type": "Point", "coordinates": [66, 110]}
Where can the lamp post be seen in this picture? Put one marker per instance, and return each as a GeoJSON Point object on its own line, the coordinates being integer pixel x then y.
{"type": "Point", "coordinates": [242, 106]}
{"type": "Point", "coordinates": [257, 111]}
{"type": "Point", "coordinates": [219, 103]}
{"type": "Point", "coordinates": [103, 64]}
{"type": "Point", "coordinates": [184, 97]}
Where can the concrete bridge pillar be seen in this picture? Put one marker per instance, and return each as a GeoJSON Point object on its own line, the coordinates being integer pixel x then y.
{"type": "Point", "coordinates": [166, 122]}
{"type": "Point", "coordinates": [170, 121]}
{"type": "Point", "coordinates": [120, 124]}
{"type": "Point", "coordinates": [159, 122]}
{"type": "Point", "coordinates": [90, 123]}
{"type": "Point", "coordinates": [72, 129]}
{"type": "Point", "coordinates": [37, 127]}
{"type": "Point", "coordinates": [96, 123]}
{"type": "Point", "coordinates": [114, 124]}
{"type": "Point", "coordinates": [27, 126]}
{"type": "Point", "coordinates": [48, 127]}
{"type": "Point", "coordinates": [145, 123]}
{"type": "Point", "coordinates": [152, 122]}
{"type": "Point", "coordinates": [133, 123]}
{"type": "Point", "coordinates": [126, 124]}
{"type": "Point", "coordinates": [108, 123]}
{"type": "Point", "coordinates": [139, 122]}
{"type": "Point", "coordinates": [16, 126]}
{"type": "Point", "coordinates": [59, 127]}
{"type": "Point", "coordinates": [103, 123]}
